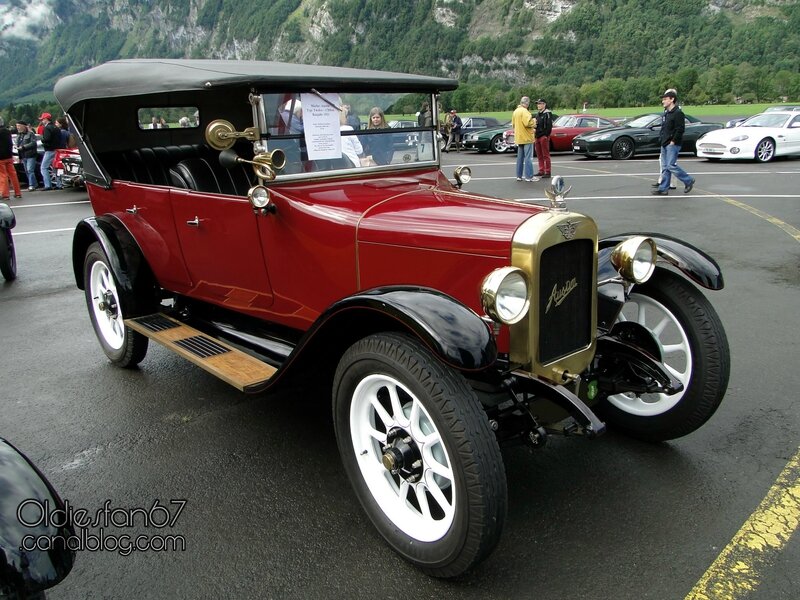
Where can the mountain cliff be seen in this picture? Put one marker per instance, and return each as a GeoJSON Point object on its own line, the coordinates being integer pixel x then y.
{"type": "Point", "coordinates": [509, 41]}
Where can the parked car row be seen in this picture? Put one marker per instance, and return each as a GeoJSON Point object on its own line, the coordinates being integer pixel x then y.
{"type": "Point", "coordinates": [67, 164]}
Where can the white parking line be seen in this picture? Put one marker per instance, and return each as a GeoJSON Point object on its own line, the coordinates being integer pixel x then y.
{"type": "Point", "coordinates": [17, 233]}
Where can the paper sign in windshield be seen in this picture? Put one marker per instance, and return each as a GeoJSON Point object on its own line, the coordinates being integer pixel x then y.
{"type": "Point", "coordinates": [321, 126]}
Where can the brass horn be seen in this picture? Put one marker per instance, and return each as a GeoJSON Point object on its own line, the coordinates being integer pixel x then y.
{"type": "Point", "coordinates": [221, 134]}
{"type": "Point", "coordinates": [265, 164]}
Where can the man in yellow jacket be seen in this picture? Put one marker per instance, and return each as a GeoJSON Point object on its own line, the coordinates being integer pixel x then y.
{"type": "Point", "coordinates": [524, 125]}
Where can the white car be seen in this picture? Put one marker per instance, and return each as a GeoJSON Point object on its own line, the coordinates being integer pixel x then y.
{"type": "Point", "coordinates": [761, 137]}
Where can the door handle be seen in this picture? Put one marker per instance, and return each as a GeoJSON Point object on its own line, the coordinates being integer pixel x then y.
{"type": "Point", "coordinates": [194, 223]}
{"type": "Point", "coordinates": [132, 211]}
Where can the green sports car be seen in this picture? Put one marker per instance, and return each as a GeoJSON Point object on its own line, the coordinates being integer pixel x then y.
{"type": "Point", "coordinates": [488, 140]}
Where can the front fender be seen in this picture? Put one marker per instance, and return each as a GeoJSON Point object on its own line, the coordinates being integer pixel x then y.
{"type": "Point", "coordinates": [7, 218]}
{"type": "Point", "coordinates": [451, 330]}
{"type": "Point", "coordinates": [124, 256]}
{"type": "Point", "coordinates": [690, 260]}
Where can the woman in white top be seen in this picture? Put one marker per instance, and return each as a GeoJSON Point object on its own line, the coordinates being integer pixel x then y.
{"type": "Point", "coordinates": [351, 146]}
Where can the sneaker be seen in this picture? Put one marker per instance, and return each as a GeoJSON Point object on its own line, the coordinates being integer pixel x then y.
{"type": "Point", "coordinates": [688, 187]}
{"type": "Point", "coordinates": [546, 176]}
{"type": "Point", "coordinates": [532, 179]}
{"type": "Point", "coordinates": [17, 195]}
{"type": "Point", "coordinates": [658, 192]}
{"type": "Point", "coordinates": [519, 178]}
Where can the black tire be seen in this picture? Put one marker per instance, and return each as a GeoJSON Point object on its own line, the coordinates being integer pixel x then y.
{"type": "Point", "coordinates": [694, 330]}
{"type": "Point", "coordinates": [765, 150]}
{"type": "Point", "coordinates": [109, 305]}
{"type": "Point", "coordinates": [497, 145]}
{"type": "Point", "coordinates": [8, 255]}
{"type": "Point", "coordinates": [622, 148]}
{"type": "Point", "coordinates": [466, 458]}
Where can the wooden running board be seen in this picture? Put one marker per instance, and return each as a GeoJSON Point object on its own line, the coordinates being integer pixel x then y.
{"type": "Point", "coordinates": [241, 370]}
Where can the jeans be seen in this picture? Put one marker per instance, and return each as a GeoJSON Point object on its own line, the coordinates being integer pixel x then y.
{"type": "Point", "coordinates": [525, 160]}
{"type": "Point", "coordinates": [47, 160]}
{"type": "Point", "coordinates": [30, 171]}
{"type": "Point", "coordinates": [669, 162]}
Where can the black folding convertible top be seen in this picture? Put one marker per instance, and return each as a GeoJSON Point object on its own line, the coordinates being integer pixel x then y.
{"type": "Point", "coordinates": [136, 77]}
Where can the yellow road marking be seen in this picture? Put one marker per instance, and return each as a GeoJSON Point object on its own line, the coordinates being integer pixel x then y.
{"type": "Point", "coordinates": [792, 231]}
{"type": "Point", "coordinates": [737, 570]}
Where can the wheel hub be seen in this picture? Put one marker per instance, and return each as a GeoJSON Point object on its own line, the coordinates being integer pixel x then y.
{"type": "Point", "coordinates": [401, 455]}
{"type": "Point", "coordinates": [108, 304]}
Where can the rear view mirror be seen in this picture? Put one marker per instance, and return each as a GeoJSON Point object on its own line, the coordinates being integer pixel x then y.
{"type": "Point", "coordinates": [34, 528]}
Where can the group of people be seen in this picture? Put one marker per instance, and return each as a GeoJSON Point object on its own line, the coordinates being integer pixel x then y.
{"type": "Point", "coordinates": [54, 135]}
{"type": "Point", "coordinates": [532, 131]}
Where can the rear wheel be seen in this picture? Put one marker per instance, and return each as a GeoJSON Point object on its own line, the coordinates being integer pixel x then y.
{"type": "Point", "coordinates": [622, 149]}
{"type": "Point", "coordinates": [419, 453]}
{"type": "Point", "coordinates": [765, 151]}
{"type": "Point", "coordinates": [8, 256]}
{"type": "Point", "coordinates": [109, 305]}
{"type": "Point", "coordinates": [689, 336]}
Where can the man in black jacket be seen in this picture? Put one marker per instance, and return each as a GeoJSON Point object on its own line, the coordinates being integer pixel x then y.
{"type": "Point", "coordinates": [673, 125]}
{"type": "Point", "coordinates": [50, 139]}
{"type": "Point", "coordinates": [27, 152]}
{"type": "Point", "coordinates": [544, 127]}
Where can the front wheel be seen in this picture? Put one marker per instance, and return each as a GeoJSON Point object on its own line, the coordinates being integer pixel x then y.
{"type": "Point", "coordinates": [765, 151]}
{"type": "Point", "coordinates": [8, 255]}
{"type": "Point", "coordinates": [497, 145]}
{"type": "Point", "coordinates": [622, 149]}
{"type": "Point", "coordinates": [692, 343]}
{"type": "Point", "coordinates": [419, 453]}
{"type": "Point", "coordinates": [109, 305]}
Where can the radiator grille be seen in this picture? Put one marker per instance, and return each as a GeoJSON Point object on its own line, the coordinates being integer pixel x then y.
{"type": "Point", "coordinates": [565, 299]}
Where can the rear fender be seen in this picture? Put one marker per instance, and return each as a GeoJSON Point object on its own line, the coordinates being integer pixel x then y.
{"type": "Point", "coordinates": [125, 258]}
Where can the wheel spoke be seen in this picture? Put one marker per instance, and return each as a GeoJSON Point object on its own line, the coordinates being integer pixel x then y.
{"type": "Point", "coordinates": [659, 329]}
{"type": "Point", "coordinates": [435, 466]}
{"type": "Point", "coordinates": [397, 408]}
{"type": "Point", "coordinates": [674, 350]}
{"type": "Point", "coordinates": [439, 497]}
{"type": "Point", "coordinates": [378, 436]}
{"type": "Point", "coordinates": [422, 499]}
{"type": "Point", "coordinates": [384, 416]}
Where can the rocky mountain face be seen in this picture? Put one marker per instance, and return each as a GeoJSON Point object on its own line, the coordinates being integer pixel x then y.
{"type": "Point", "coordinates": [41, 40]}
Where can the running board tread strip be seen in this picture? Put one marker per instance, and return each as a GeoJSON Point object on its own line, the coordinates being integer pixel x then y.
{"type": "Point", "coordinates": [233, 366]}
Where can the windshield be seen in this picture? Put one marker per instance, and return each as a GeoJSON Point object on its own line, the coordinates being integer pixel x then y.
{"type": "Point", "coordinates": [565, 121]}
{"type": "Point", "coordinates": [337, 131]}
{"type": "Point", "coordinates": [766, 120]}
{"type": "Point", "coordinates": [643, 121]}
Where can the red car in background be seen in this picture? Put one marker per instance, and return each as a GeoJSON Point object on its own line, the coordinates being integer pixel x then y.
{"type": "Point", "coordinates": [565, 128]}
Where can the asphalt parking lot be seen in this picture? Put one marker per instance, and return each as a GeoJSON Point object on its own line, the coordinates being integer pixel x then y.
{"type": "Point", "coordinates": [266, 511]}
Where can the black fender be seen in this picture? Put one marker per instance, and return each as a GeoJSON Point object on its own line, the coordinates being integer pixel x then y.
{"type": "Point", "coordinates": [452, 331]}
{"type": "Point", "coordinates": [31, 511]}
{"type": "Point", "coordinates": [124, 255]}
{"type": "Point", "coordinates": [690, 260]}
{"type": "Point", "coordinates": [7, 218]}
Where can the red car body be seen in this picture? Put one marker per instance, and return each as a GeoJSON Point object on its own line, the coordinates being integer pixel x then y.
{"type": "Point", "coordinates": [566, 127]}
{"type": "Point", "coordinates": [270, 243]}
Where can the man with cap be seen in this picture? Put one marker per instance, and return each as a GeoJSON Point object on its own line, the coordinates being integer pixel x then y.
{"type": "Point", "coordinates": [455, 131]}
{"type": "Point", "coordinates": [673, 124]}
{"type": "Point", "coordinates": [50, 139]}
{"type": "Point", "coordinates": [544, 127]}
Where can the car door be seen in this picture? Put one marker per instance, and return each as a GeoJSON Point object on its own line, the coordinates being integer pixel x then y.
{"type": "Point", "coordinates": [647, 138]}
{"type": "Point", "coordinates": [221, 247]}
{"type": "Point", "coordinates": [792, 133]}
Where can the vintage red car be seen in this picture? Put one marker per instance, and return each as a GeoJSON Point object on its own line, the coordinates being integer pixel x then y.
{"type": "Point", "coordinates": [565, 128]}
{"type": "Point", "coordinates": [269, 243]}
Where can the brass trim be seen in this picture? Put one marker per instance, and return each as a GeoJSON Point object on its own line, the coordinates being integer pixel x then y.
{"type": "Point", "coordinates": [531, 239]}
{"type": "Point", "coordinates": [221, 134]}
